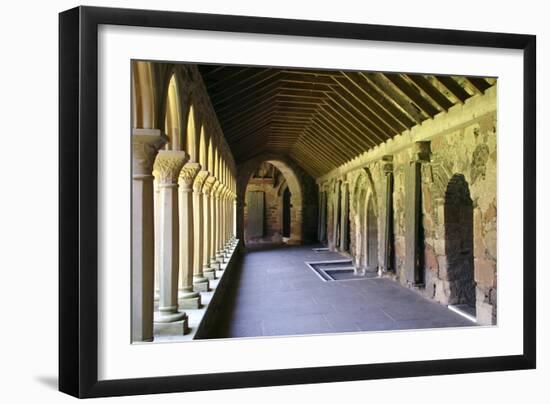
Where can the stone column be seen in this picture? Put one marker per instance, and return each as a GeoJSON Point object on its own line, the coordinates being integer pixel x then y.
{"type": "Point", "coordinates": [214, 264]}
{"type": "Point", "coordinates": [228, 218]}
{"type": "Point", "coordinates": [387, 252]}
{"type": "Point", "coordinates": [145, 145]}
{"type": "Point", "coordinates": [200, 282]}
{"type": "Point", "coordinates": [335, 230]}
{"type": "Point", "coordinates": [235, 217]}
{"type": "Point", "coordinates": [219, 226]}
{"type": "Point", "coordinates": [207, 215]}
{"type": "Point", "coordinates": [344, 212]}
{"type": "Point", "coordinates": [189, 299]}
{"type": "Point", "coordinates": [168, 165]}
{"type": "Point", "coordinates": [414, 273]}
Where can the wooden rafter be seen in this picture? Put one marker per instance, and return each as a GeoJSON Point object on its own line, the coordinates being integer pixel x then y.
{"type": "Point", "coordinates": [324, 118]}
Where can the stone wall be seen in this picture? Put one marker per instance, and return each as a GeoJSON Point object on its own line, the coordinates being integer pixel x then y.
{"type": "Point", "coordinates": [458, 206]}
{"type": "Point", "coordinates": [303, 189]}
{"type": "Point", "coordinates": [273, 211]}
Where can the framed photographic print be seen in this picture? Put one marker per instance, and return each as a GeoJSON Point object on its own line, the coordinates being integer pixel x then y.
{"type": "Point", "coordinates": [251, 201]}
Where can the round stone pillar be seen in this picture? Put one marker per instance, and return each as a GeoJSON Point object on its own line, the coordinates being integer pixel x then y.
{"type": "Point", "coordinates": [208, 219]}
{"type": "Point", "coordinates": [145, 145]}
{"type": "Point", "coordinates": [168, 165]}
{"type": "Point", "coordinates": [200, 282]}
{"type": "Point", "coordinates": [188, 298]}
{"type": "Point", "coordinates": [214, 264]}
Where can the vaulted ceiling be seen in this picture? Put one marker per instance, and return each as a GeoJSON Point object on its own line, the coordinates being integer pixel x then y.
{"type": "Point", "coordinates": [324, 118]}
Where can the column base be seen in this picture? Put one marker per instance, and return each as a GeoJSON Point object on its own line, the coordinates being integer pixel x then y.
{"type": "Point", "coordinates": [180, 327]}
{"type": "Point", "coordinates": [211, 273]}
{"type": "Point", "coordinates": [200, 284]}
{"type": "Point", "coordinates": [168, 317]}
{"type": "Point", "coordinates": [189, 300]}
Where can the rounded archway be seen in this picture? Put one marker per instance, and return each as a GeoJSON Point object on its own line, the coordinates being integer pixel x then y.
{"type": "Point", "coordinates": [272, 205]}
{"type": "Point", "coordinates": [292, 181]}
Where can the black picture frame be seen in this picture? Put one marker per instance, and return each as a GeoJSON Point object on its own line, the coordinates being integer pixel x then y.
{"type": "Point", "coordinates": [78, 200]}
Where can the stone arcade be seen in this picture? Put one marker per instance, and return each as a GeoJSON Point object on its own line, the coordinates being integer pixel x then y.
{"type": "Point", "coordinates": [244, 175]}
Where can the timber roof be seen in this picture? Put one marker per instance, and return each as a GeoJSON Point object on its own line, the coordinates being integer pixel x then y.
{"type": "Point", "coordinates": [324, 118]}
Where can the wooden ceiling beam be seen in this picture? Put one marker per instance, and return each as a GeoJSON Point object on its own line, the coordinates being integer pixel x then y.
{"type": "Point", "coordinates": [298, 100]}
{"type": "Point", "coordinates": [369, 89]}
{"type": "Point", "coordinates": [362, 103]}
{"type": "Point", "coordinates": [365, 135]}
{"type": "Point", "coordinates": [386, 87]}
{"type": "Point", "coordinates": [239, 78]}
{"type": "Point", "coordinates": [314, 134]}
{"type": "Point", "coordinates": [295, 85]}
{"type": "Point", "coordinates": [450, 84]}
{"type": "Point", "coordinates": [244, 93]}
{"type": "Point", "coordinates": [431, 91]}
{"type": "Point", "coordinates": [312, 166]}
{"type": "Point", "coordinates": [308, 145]}
{"type": "Point", "coordinates": [333, 135]}
{"type": "Point", "coordinates": [478, 83]}
{"type": "Point", "coordinates": [301, 93]}
{"type": "Point", "coordinates": [229, 109]}
{"type": "Point", "coordinates": [288, 75]}
{"type": "Point", "coordinates": [411, 93]}
{"type": "Point", "coordinates": [358, 138]}
{"type": "Point", "coordinates": [378, 128]}
{"type": "Point", "coordinates": [247, 119]}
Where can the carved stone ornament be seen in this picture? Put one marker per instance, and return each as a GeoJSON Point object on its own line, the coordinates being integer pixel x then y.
{"type": "Point", "coordinates": [208, 184]}
{"type": "Point", "coordinates": [422, 151]}
{"type": "Point", "coordinates": [168, 165]}
{"type": "Point", "coordinates": [144, 149]}
{"type": "Point", "coordinates": [199, 180]}
{"type": "Point", "coordinates": [188, 174]}
{"type": "Point", "coordinates": [387, 164]}
{"type": "Point", "coordinates": [215, 188]}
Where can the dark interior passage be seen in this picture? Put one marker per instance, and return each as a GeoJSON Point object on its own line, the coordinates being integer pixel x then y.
{"type": "Point", "coordinates": [459, 241]}
{"type": "Point", "coordinates": [286, 212]}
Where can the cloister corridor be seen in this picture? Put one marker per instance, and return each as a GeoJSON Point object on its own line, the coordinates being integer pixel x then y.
{"type": "Point", "coordinates": [288, 201]}
{"type": "Point", "coordinates": [276, 293]}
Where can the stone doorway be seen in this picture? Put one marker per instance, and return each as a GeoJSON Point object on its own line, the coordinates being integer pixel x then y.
{"type": "Point", "coordinates": [286, 213]}
{"type": "Point", "coordinates": [372, 237]}
{"type": "Point", "coordinates": [459, 243]}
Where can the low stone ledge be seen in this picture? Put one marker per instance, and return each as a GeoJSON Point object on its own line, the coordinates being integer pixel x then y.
{"type": "Point", "coordinates": [211, 316]}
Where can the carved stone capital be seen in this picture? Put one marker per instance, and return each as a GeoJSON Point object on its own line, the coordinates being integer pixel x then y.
{"type": "Point", "coordinates": [188, 174]}
{"type": "Point", "coordinates": [387, 164]}
{"type": "Point", "coordinates": [208, 184]}
{"type": "Point", "coordinates": [216, 189]}
{"type": "Point", "coordinates": [422, 151]}
{"type": "Point", "coordinates": [145, 145]}
{"type": "Point", "coordinates": [168, 165]}
{"type": "Point", "coordinates": [199, 180]}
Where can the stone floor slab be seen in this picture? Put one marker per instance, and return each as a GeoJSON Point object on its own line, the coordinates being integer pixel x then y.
{"type": "Point", "coordinates": [277, 293]}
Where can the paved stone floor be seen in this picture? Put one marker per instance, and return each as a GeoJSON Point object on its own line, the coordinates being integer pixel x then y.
{"type": "Point", "coordinates": [276, 293]}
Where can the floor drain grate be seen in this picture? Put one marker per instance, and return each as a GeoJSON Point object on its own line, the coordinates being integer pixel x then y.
{"type": "Point", "coordinates": [338, 270]}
